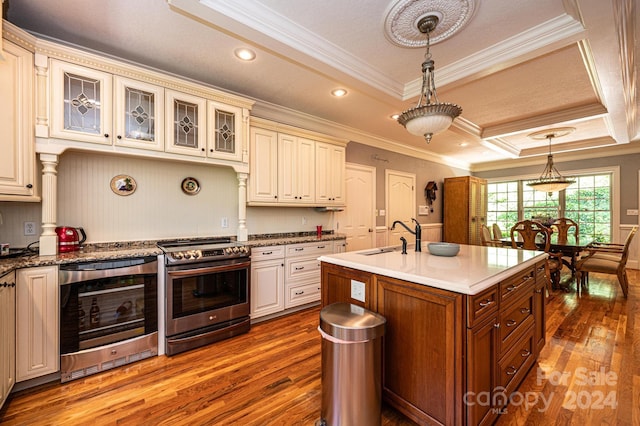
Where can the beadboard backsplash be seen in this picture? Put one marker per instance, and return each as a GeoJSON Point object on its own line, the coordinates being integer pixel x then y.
{"type": "Point", "coordinates": [157, 209]}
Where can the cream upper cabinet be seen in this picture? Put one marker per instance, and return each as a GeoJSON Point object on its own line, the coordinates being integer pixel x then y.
{"type": "Point", "coordinates": [296, 169]}
{"type": "Point", "coordinates": [263, 166]}
{"type": "Point", "coordinates": [330, 166]}
{"type": "Point", "coordinates": [81, 104]}
{"type": "Point", "coordinates": [7, 335]}
{"type": "Point", "coordinates": [38, 322]}
{"type": "Point", "coordinates": [186, 131]}
{"type": "Point", "coordinates": [225, 131]}
{"type": "Point", "coordinates": [139, 114]}
{"type": "Point", "coordinates": [17, 162]}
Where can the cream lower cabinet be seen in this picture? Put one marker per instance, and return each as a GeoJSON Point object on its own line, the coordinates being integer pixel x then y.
{"type": "Point", "coordinates": [18, 160]}
{"type": "Point", "coordinates": [267, 280]}
{"type": "Point", "coordinates": [287, 276]}
{"type": "Point", "coordinates": [37, 322]}
{"type": "Point", "coordinates": [302, 272]}
{"type": "Point", "coordinates": [7, 335]}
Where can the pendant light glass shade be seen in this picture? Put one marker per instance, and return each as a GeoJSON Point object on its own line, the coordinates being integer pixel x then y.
{"type": "Point", "coordinates": [551, 180]}
{"type": "Point", "coordinates": [429, 117]}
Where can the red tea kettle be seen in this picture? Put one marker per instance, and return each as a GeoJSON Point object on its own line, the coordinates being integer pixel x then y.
{"type": "Point", "coordinates": [69, 238]}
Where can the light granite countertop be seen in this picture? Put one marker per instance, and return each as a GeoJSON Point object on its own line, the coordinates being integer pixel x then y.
{"type": "Point", "coordinates": [122, 250]}
{"type": "Point", "coordinates": [472, 270]}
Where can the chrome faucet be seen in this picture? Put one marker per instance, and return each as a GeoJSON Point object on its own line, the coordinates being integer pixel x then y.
{"type": "Point", "coordinates": [417, 232]}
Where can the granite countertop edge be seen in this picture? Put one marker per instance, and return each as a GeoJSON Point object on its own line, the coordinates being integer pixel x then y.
{"type": "Point", "coordinates": [110, 251]}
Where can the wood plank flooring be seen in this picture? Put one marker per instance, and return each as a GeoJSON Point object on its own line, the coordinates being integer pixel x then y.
{"type": "Point", "coordinates": [271, 376]}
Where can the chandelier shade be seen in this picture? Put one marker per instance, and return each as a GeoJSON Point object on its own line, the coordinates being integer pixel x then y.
{"type": "Point", "coordinates": [429, 117]}
{"type": "Point", "coordinates": [551, 180]}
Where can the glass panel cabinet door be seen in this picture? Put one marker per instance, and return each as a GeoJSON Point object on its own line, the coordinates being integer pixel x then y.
{"type": "Point", "coordinates": [186, 124]}
{"type": "Point", "coordinates": [81, 103]}
{"type": "Point", "coordinates": [139, 114]}
{"type": "Point", "coordinates": [225, 139]}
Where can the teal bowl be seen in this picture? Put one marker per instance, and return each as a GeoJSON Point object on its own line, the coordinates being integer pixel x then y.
{"type": "Point", "coordinates": [443, 249]}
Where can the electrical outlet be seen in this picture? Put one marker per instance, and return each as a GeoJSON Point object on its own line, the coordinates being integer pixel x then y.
{"type": "Point", "coordinates": [29, 228]}
{"type": "Point", "coordinates": [357, 290]}
{"type": "Point", "coordinates": [304, 220]}
{"type": "Point", "coordinates": [224, 222]}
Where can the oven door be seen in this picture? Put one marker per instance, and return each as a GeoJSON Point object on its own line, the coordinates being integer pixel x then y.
{"type": "Point", "coordinates": [205, 294]}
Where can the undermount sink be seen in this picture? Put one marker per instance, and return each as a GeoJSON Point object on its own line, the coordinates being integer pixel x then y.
{"type": "Point", "coordinates": [380, 250]}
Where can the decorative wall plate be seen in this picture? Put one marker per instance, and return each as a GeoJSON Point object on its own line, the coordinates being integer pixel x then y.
{"type": "Point", "coordinates": [190, 186]}
{"type": "Point", "coordinates": [123, 185]}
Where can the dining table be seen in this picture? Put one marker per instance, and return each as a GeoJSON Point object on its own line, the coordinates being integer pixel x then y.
{"type": "Point", "coordinates": [570, 248]}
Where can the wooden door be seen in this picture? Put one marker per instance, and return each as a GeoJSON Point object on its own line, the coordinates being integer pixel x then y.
{"type": "Point", "coordinates": [401, 203]}
{"type": "Point", "coordinates": [358, 219]}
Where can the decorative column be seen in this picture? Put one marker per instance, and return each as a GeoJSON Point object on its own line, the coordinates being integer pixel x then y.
{"type": "Point", "coordinates": [49, 238]}
{"type": "Point", "coordinates": [42, 96]}
{"type": "Point", "coordinates": [243, 232]}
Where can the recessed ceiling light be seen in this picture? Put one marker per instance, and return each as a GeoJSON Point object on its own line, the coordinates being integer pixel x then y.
{"type": "Point", "coordinates": [463, 144]}
{"type": "Point", "coordinates": [245, 54]}
{"type": "Point", "coordinates": [395, 116]}
{"type": "Point", "coordinates": [338, 93]}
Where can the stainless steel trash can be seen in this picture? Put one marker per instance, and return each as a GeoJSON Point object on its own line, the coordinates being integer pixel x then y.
{"type": "Point", "coordinates": [351, 365]}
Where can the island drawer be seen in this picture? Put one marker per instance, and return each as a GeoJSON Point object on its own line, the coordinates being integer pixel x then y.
{"type": "Point", "coordinates": [267, 253]}
{"type": "Point", "coordinates": [514, 320]}
{"type": "Point", "coordinates": [541, 272]}
{"type": "Point", "coordinates": [481, 305]}
{"type": "Point", "coordinates": [515, 364]}
{"type": "Point", "coordinates": [306, 249]}
{"type": "Point", "coordinates": [516, 285]}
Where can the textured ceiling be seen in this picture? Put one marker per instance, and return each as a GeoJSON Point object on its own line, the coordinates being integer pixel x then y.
{"type": "Point", "coordinates": [517, 66]}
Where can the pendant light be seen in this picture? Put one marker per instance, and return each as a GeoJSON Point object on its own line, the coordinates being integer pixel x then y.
{"type": "Point", "coordinates": [551, 180]}
{"type": "Point", "coordinates": [429, 117]}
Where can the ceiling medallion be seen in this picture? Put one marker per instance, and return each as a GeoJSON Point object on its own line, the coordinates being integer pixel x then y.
{"type": "Point", "coordinates": [400, 24]}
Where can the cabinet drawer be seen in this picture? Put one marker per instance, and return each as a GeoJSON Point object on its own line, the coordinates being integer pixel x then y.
{"type": "Point", "coordinates": [514, 366]}
{"type": "Point", "coordinates": [541, 272]}
{"type": "Point", "coordinates": [516, 285]}
{"type": "Point", "coordinates": [301, 294]}
{"type": "Point", "coordinates": [301, 268]}
{"type": "Point", "coordinates": [317, 249]}
{"type": "Point", "coordinates": [267, 253]}
{"type": "Point", "coordinates": [482, 305]}
{"type": "Point", "coordinates": [514, 320]}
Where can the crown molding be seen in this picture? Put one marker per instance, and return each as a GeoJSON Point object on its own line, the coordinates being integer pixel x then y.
{"type": "Point", "coordinates": [544, 120]}
{"type": "Point", "coordinates": [277, 27]}
{"type": "Point", "coordinates": [584, 154]}
{"type": "Point", "coordinates": [546, 37]}
{"type": "Point", "coordinates": [284, 115]}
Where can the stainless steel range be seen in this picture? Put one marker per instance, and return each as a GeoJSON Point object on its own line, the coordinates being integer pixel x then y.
{"type": "Point", "coordinates": [207, 291]}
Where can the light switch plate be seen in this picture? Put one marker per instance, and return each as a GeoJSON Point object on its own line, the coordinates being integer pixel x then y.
{"type": "Point", "coordinates": [423, 210]}
{"type": "Point", "coordinates": [357, 290]}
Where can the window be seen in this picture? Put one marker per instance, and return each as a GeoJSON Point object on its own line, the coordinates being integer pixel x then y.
{"type": "Point", "coordinates": [587, 202]}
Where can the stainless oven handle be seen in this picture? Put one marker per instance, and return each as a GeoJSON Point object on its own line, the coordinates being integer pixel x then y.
{"type": "Point", "coordinates": [74, 276]}
{"type": "Point", "coordinates": [210, 269]}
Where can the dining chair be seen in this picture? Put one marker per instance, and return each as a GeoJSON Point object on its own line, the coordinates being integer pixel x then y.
{"type": "Point", "coordinates": [486, 239]}
{"type": "Point", "coordinates": [562, 226]}
{"type": "Point", "coordinates": [606, 258]}
{"type": "Point", "coordinates": [497, 232]}
{"type": "Point", "coordinates": [533, 235]}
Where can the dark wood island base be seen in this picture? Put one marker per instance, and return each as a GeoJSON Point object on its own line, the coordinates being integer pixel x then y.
{"type": "Point", "coordinates": [451, 358]}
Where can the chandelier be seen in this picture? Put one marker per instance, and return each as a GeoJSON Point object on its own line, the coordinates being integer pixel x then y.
{"type": "Point", "coordinates": [551, 180]}
{"type": "Point", "coordinates": [429, 117]}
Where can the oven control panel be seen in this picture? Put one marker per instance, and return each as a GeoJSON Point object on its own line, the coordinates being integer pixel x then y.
{"type": "Point", "coordinates": [205, 254]}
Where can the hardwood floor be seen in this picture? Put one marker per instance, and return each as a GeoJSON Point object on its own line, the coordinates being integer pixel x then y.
{"type": "Point", "coordinates": [271, 376]}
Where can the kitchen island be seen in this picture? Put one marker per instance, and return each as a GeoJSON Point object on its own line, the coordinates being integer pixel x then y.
{"type": "Point", "coordinates": [462, 331]}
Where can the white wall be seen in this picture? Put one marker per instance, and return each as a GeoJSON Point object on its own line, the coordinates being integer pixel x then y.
{"type": "Point", "coordinates": [157, 209]}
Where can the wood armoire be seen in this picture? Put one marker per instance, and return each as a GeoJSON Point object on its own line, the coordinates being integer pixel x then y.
{"type": "Point", "coordinates": [465, 209]}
